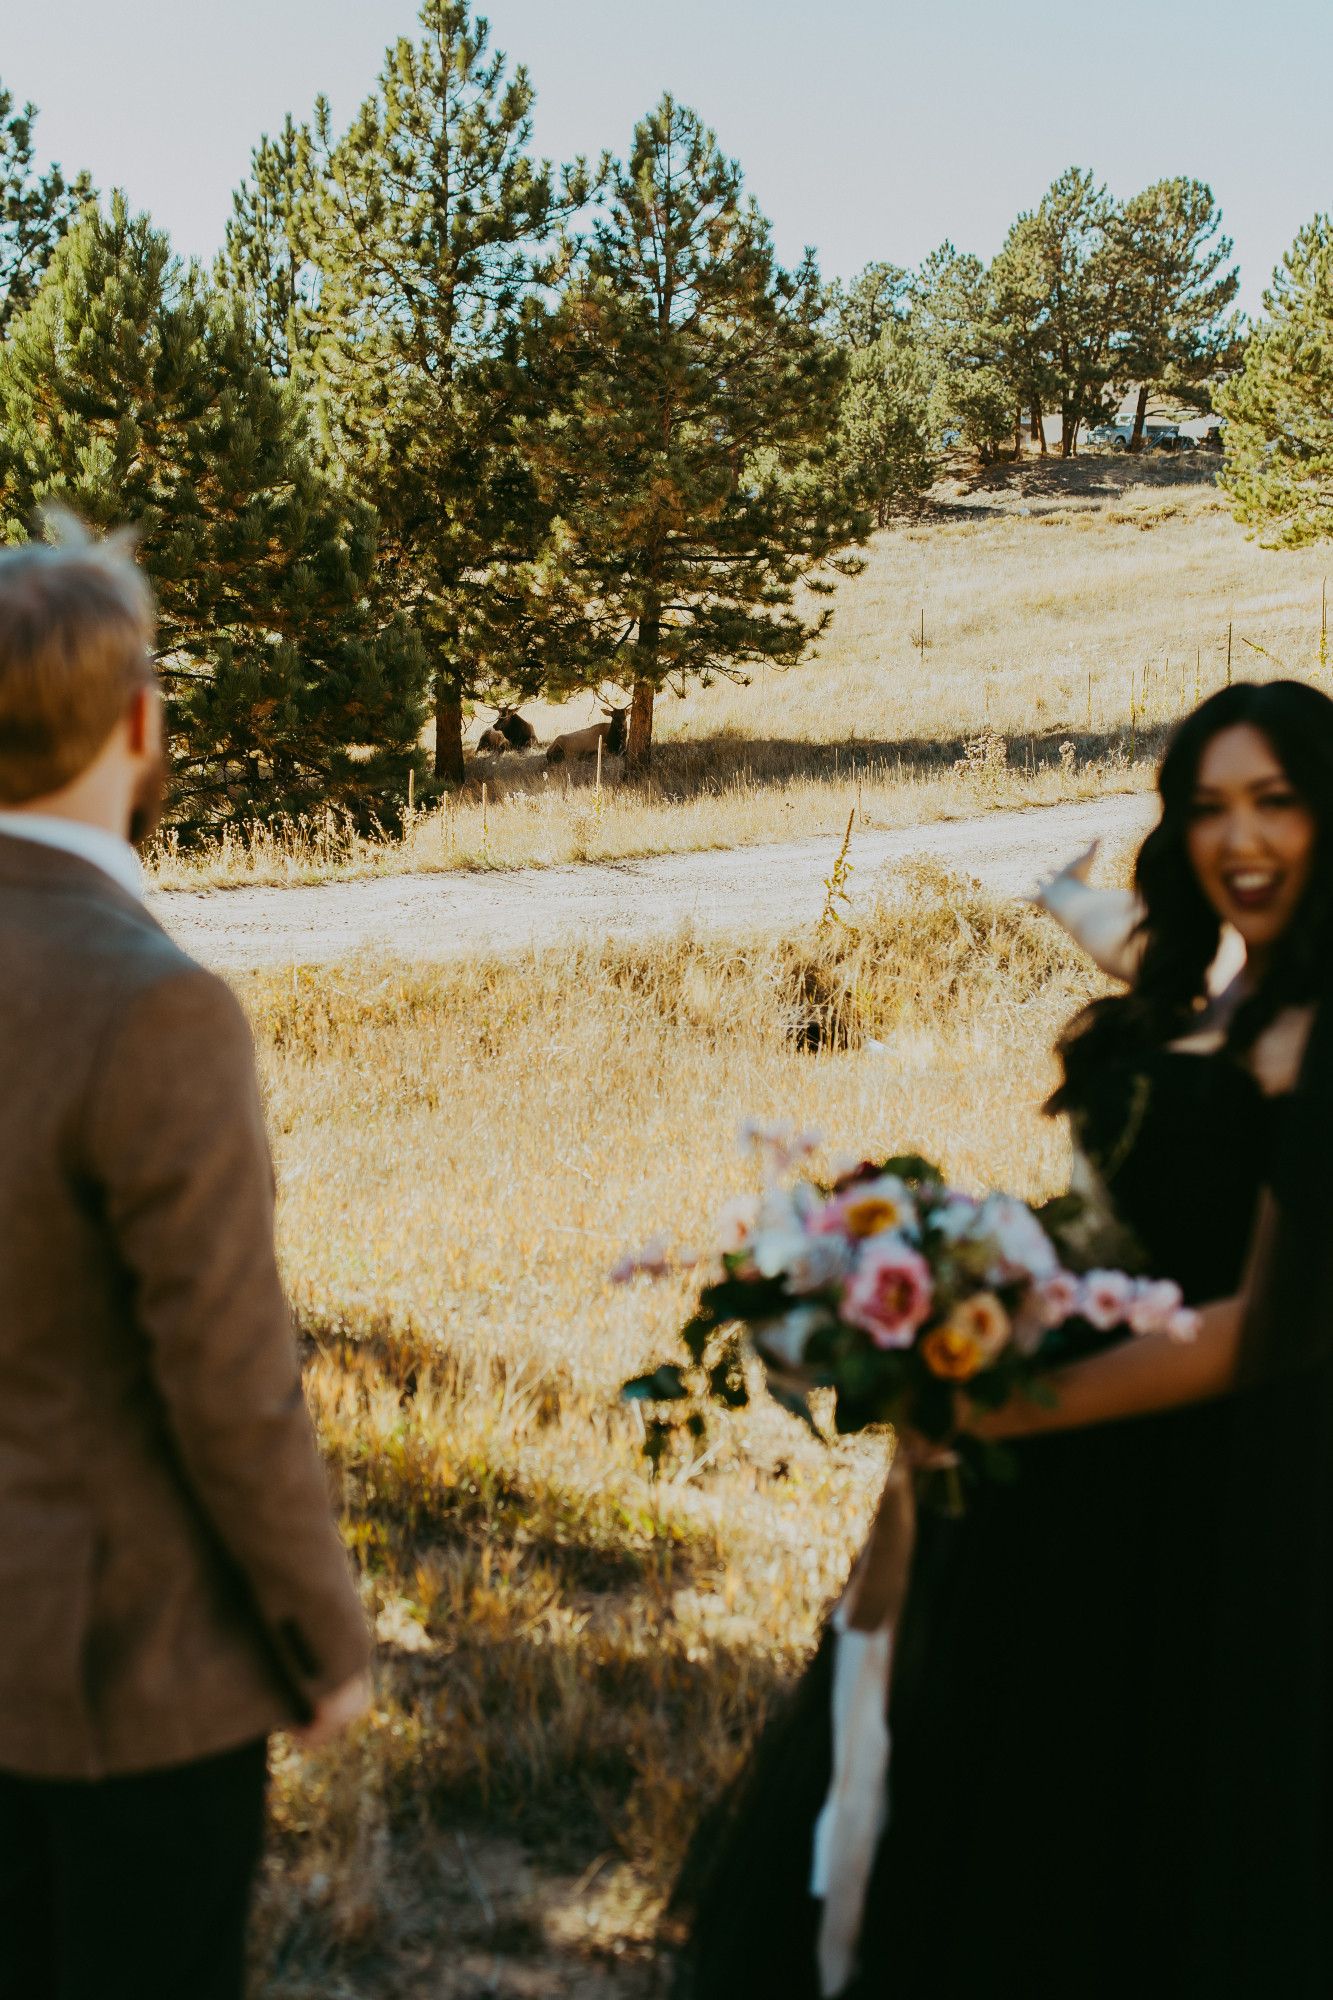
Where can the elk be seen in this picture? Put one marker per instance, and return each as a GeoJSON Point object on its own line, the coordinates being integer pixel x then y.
{"type": "Point", "coordinates": [583, 742]}
{"type": "Point", "coordinates": [517, 731]}
{"type": "Point", "coordinates": [492, 742]}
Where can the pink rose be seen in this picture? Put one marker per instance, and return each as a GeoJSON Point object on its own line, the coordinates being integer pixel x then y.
{"type": "Point", "coordinates": [1156, 1302]}
{"type": "Point", "coordinates": [890, 1292]}
{"type": "Point", "coordinates": [1106, 1298]}
{"type": "Point", "coordinates": [1058, 1298]}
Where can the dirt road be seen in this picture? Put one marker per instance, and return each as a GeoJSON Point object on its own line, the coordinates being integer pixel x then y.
{"type": "Point", "coordinates": [739, 889]}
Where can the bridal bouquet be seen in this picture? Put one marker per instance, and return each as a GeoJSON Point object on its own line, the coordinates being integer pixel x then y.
{"type": "Point", "coordinates": [893, 1290]}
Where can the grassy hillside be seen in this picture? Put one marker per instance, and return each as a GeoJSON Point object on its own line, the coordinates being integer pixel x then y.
{"type": "Point", "coordinates": [1070, 613]}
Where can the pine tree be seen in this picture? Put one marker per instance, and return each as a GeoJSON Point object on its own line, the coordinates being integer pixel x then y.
{"type": "Point", "coordinates": [1279, 407]}
{"type": "Point", "coordinates": [885, 446]}
{"type": "Point", "coordinates": [1020, 304]}
{"type": "Point", "coordinates": [858, 313]}
{"type": "Point", "coordinates": [131, 390]}
{"type": "Point", "coordinates": [267, 258]}
{"type": "Point", "coordinates": [1062, 283]}
{"type": "Point", "coordinates": [974, 388]}
{"type": "Point", "coordinates": [692, 467]}
{"type": "Point", "coordinates": [35, 209]}
{"type": "Point", "coordinates": [430, 221]}
{"type": "Point", "coordinates": [1179, 331]}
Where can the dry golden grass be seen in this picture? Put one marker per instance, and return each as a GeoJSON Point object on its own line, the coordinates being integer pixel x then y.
{"type": "Point", "coordinates": [573, 1658]}
{"type": "Point", "coordinates": [1072, 604]}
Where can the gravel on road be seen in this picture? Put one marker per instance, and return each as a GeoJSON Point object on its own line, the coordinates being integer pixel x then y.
{"type": "Point", "coordinates": [454, 915]}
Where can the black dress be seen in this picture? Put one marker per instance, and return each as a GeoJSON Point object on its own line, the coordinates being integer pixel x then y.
{"type": "Point", "coordinates": [1110, 1685]}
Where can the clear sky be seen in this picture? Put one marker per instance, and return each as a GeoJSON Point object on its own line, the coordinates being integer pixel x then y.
{"type": "Point", "coordinates": [867, 128]}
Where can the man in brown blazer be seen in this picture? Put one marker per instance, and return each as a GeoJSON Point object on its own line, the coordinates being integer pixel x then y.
{"type": "Point", "coordinates": [172, 1588]}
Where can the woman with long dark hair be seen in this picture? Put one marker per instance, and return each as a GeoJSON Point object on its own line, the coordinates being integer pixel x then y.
{"type": "Point", "coordinates": [1112, 1697]}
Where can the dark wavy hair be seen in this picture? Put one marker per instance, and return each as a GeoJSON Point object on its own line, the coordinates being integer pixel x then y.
{"type": "Point", "coordinates": [1180, 929]}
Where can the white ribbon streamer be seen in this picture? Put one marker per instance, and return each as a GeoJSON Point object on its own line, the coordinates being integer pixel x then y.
{"type": "Point", "coordinates": [848, 1829]}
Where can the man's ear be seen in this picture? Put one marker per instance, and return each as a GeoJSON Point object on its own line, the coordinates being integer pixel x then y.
{"type": "Point", "coordinates": [143, 724]}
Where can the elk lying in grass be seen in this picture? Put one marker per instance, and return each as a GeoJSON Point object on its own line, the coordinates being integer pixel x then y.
{"type": "Point", "coordinates": [491, 743]}
{"type": "Point", "coordinates": [583, 742]}
{"type": "Point", "coordinates": [517, 731]}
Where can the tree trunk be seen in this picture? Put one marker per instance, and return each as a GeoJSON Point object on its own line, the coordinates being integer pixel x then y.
{"type": "Point", "coordinates": [1018, 432]}
{"type": "Point", "coordinates": [639, 744]}
{"type": "Point", "coordinates": [1069, 420]}
{"type": "Point", "coordinates": [1140, 414]}
{"type": "Point", "coordinates": [1038, 426]}
{"type": "Point", "coordinates": [639, 747]}
{"type": "Point", "coordinates": [448, 730]}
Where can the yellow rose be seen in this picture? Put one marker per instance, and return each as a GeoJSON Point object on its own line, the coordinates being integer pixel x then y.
{"type": "Point", "coordinates": [969, 1340]}
{"type": "Point", "coordinates": [951, 1352]}
{"type": "Point", "coordinates": [872, 1216]}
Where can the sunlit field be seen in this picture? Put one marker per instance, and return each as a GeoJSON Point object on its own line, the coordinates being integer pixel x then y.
{"type": "Point", "coordinates": [573, 1658]}
{"type": "Point", "coordinates": [1071, 612]}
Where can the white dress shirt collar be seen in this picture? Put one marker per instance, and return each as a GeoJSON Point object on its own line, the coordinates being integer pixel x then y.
{"type": "Point", "coordinates": [114, 856]}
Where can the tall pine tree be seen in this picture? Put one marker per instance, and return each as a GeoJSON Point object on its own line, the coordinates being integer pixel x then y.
{"type": "Point", "coordinates": [974, 387]}
{"type": "Point", "coordinates": [35, 209]}
{"type": "Point", "coordinates": [693, 464]}
{"type": "Point", "coordinates": [1279, 408]}
{"type": "Point", "coordinates": [267, 259]}
{"type": "Point", "coordinates": [1179, 329]}
{"type": "Point", "coordinates": [131, 391]}
{"type": "Point", "coordinates": [429, 227]}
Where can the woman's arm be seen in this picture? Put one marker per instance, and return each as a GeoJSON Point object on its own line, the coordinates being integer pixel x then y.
{"type": "Point", "coordinates": [1149, 1373]}
{"type": "Point", "coordinates": [1103, 921]}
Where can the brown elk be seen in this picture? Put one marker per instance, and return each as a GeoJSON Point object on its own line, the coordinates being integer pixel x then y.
{"type": "Point", "coordinates": [517, 731]}
{"type": "Point", "coordinates": [492, 743]}
{"type": "Point", "coordinates": [583, 742]}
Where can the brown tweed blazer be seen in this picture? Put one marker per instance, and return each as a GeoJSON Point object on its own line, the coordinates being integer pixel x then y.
{"type": "Point", "coordinates": [171, 1583]}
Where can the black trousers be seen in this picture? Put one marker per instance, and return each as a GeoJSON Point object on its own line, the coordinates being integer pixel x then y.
{"type": "Point", "coordinates": [132, 1888]}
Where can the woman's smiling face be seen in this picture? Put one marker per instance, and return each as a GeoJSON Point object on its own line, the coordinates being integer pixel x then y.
{"type": "Point", "coordinates": [1251, 837]}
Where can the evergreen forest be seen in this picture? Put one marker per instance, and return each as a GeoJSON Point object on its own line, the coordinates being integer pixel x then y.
{"type": "Point", "coordinates": [447, 424]}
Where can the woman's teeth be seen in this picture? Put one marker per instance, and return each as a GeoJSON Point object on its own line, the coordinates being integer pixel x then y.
{"type": "Point", "coordinates": [1252, 885]}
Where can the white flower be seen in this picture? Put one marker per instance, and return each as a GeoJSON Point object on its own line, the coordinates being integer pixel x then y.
{"type": "Point", "coordinates": [1155, 1303]}
{"type": "Point", "coordinates": [872, 1208]}
{"type": "Point", "coordinates": [777, 1213]}
{"type": "Point", "coordinates": [1106, 1299]}
{"type": "Point", "coordinates": [1184, 1324]}
{"type": "Point", "coordinates": [1025, 1250]}
{"type": "Point", "coordinates": [806, 1262]}
{"type": "Point", "coordinates": [955, 1215]}
{"type": "Point", "coordinates": [785, 1340]}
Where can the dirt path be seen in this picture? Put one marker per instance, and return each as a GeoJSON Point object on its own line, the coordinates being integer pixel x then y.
{"type": "Point", "coordinates": [739, 889]}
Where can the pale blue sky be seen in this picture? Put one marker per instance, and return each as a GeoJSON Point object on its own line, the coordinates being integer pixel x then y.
{"type": "Point", "coordinates": [868, 128]}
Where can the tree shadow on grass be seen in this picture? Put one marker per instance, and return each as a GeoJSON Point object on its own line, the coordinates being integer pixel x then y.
{"type": "Point", "coordinates": [552, 1718]}
{"type": "Point", "coordinates": [731, 761]}
{"type": "Point", "coordinates": [1090, 476]}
